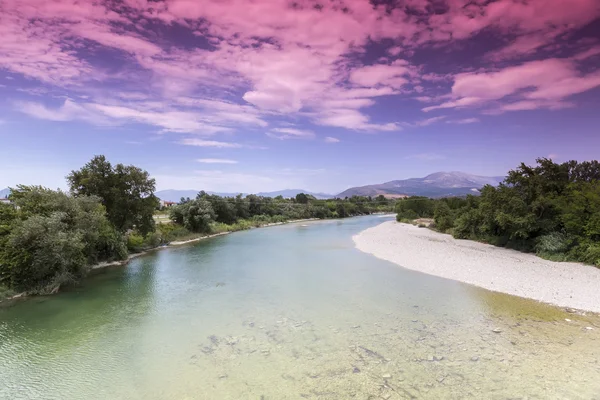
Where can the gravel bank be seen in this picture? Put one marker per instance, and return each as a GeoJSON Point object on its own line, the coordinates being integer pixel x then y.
{"type": "Point", "coordinates": [563, 284]}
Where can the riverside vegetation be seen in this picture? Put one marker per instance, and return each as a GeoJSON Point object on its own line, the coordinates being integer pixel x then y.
{"type": "Point", "coordinates": [49, 238]}
{"type": "Point", "coordinates": [551, 209]}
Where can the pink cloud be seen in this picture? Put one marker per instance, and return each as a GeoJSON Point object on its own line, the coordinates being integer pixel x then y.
{"type": "Point", "coordinates": [265, 58]}
{"type": "Point", "coordinates": [209, 143]}
{"type": "Point", "coordinates": [545, 83]}
{"type": "Point", "coordinates": [394, 75]}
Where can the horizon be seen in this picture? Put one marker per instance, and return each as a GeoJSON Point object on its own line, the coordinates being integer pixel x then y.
{"type": "Point", "coordinates": [236, 96]}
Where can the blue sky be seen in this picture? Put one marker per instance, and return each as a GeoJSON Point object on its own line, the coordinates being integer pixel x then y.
{"type": "Point", "coordinates": [260, 96]}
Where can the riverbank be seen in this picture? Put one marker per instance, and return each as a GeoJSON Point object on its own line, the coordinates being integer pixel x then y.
{"type": "Point", "coordinates": [563, 284]}
{"type": "Point", "coordinates": [106, 264]}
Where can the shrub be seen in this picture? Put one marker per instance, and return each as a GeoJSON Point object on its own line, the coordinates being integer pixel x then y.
{"type": "Point", "coordinates": [135, 242]}
{"type": "Point", "coordinates": [552, 243]}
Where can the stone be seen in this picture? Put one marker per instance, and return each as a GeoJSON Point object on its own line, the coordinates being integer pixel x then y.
{"type": "Point", "coordinates": [355, 370]}
{"type": "Point", "coordinates": [386, 396]}
{"type": "Point", "coordinates": [589, 328]}
{"type": "Point", "coordinates": [567, 319]}
{"type": "Point", "coordinates": [438, 358]}
{"type": "Point", "coordinates": [386, 376]}
{"type": "Point", "coordinates": [496, 330]}
{"type": "Point", "coordinates": [474, 358]}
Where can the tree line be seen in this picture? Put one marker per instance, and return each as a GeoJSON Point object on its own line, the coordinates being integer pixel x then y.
{"type": "Point", "coordinates": [50, 238]}
{"type": "Point", "coordinates": [551, 209]}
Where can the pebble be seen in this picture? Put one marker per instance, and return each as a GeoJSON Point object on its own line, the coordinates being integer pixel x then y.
{"type": "Point", "coordinates": [474, 358]}
{"type": "Point", "coordinates": [589, 328]}
{"type": "Point", "coordinates": [386, 396]}
{"type": "Point", "coordinates": [567, 319]}
{"type": "Point", "coordinates": [222, 376]}
{"type": "Point", "coordinates": [386, 376]}
{"type": "Point", "coordinates": [496, 330]}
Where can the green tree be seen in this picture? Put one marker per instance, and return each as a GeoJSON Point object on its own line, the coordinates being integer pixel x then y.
{"type": "Point", "coordinates": [443, 216]}
{"type": "Point", "coordinates": [301, 198]}
{"type": "Point", "coordinates": [127, 192]}
{"type": "Point", "coordinates": [195, 215]}
{"type": "Point", "coordinates": [53, 238]}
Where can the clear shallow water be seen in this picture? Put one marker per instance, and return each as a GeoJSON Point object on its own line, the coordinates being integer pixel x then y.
{"type": "Point", "coordinates": [290, 312]}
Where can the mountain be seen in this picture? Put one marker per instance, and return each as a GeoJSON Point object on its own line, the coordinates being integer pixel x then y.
{"type": "Point", "coordinates": [439, 184]}
{"type": "Point", "coordinates": [4, 193]}
{"type": "Point", "coordinates": [176, 195]}
{"type": "Point", "coordinates": [287, 193]}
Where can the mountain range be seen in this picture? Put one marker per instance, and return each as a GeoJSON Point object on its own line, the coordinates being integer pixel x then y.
{"type": "Point", "coordinates": [176, 195]}
{"type": "Point", "coordinates": [439, 184]}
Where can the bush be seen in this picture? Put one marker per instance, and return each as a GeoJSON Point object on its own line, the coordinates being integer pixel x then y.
{"type": "Point", "coordinates": [591, 254]}
{"type": "Point", "coordinates": [552, 243]}
{"type": "Point", "coordinates": [406, 215]}
{"type": "Point", "coordinates": [135, 242]}
{"type": "Point", "coordinates": [443, 216]}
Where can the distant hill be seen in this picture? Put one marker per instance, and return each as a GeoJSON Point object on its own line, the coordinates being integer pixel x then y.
{"type": "Point", "coordinates": [4, 193]}
{"type": "Point", "coordinates": [287, 193]}
{"type": "Point", "coordinates": [176, 195]}
{"type": "Point", "coordinates": [439, 184]}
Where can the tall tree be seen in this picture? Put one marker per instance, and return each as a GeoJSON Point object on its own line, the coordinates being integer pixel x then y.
{"type": "Point", "coordinates": [127, 192]}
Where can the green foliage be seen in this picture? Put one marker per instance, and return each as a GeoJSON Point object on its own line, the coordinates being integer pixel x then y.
{"type": "Point", "coordinates": [552, 209]}
{"type": "Point", "coordinates": [200, 214]}
{"type": "Point", "coordinates": [49, 238]}
{"type": "Point", "coordinates": [195, 215]}
{"type": "Point", "coordinates": [415, 207]}
{"type": "Point", "coordinates": [443, 217]}
{"type": "Point", "coordinates": [135, 242]}
{"type": "Point", "coordinates": [127, 192]}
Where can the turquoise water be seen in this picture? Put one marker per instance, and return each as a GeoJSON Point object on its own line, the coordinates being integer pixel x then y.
{"type": "Point", "coordinates": [290, 312]}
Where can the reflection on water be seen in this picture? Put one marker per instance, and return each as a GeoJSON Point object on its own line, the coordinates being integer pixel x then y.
{"type": "Point", "coordinates": [285, 313]}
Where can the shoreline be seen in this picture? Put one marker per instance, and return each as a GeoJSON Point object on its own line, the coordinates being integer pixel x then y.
{"type": "Point", "coordinates": [118, 263]}
{"type": "Point", "coordinates": [562, 284]}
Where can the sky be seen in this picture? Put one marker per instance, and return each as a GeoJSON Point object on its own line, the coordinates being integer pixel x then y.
{"type": "Point", "coordinates": [262, 95]}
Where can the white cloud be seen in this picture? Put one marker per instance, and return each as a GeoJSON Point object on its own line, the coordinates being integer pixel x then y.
{"type": "Point", "coordinates": [463, 121]}
{"type": "Point", "coordinates": [330, 139]}
{"type": "Point", "coordinates": [290, 133]}
{"type": "Point", "coordinates": [208, 143]}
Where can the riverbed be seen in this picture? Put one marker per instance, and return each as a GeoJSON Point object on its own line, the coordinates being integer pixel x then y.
{"type": "Point", "coordinates": [290, 312]}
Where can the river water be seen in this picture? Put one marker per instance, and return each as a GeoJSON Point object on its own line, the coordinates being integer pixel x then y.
{"type": "Point", "coordinates": [290, 312]}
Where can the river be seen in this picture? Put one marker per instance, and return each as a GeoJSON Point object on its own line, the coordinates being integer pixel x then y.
{"type": "Point", "coordinates": [290, 312]}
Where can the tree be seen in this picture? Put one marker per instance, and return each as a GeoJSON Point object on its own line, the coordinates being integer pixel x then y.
{"type": "Point", "coordinates": [443, 216]}
{"type": "Point", "coordinates": [127, 192]}
{"type": "Point", "coordinates": [195, 215]}
{"type": "Point", "coordinates": [301, 198]}
{"type": "Point", "coordinates": [53, 238]}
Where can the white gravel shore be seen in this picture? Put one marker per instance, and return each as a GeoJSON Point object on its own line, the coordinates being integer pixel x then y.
{"type": "Point", "coordinates": [563, 284]}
